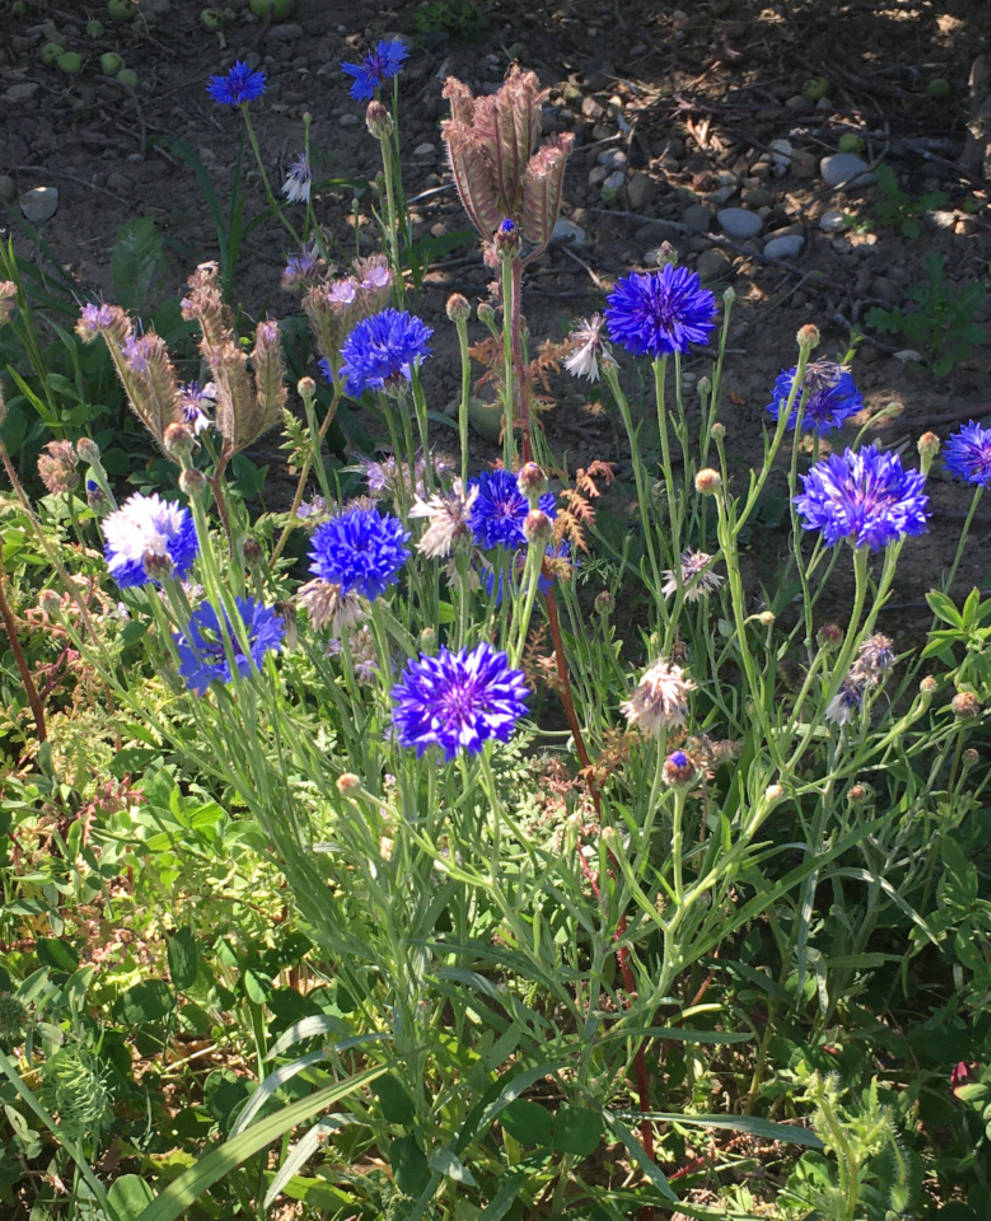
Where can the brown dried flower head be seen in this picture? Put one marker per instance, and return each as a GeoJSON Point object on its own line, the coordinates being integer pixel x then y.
{"type": "Point", "coordinates": [500, 172]}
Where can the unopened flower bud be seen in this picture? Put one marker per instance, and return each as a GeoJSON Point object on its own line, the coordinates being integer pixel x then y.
{"type": "Point", "coordinates": [157, 564]}
{"type": "Point", "coordinates": [507, 240]}
{"type": "Point", "coordinates": [773, 792]}
{"type": "Point", "coordinates": [704, 385]}
{"type": "Point", "coordinates": [678, 769]}
{"type": "Point", "coordinates": [969, 757]}
{"type": "Point", "coordinates": [830, 634]}
{"type": "Point", "coordinates": [50, 602]}
{"type": "Point", "coordinates": [347, 782]}
{"type": "Point", "coordinates": [719, 430]}
{"type": "Point", "coordinates": [178, 441]}
{"type": "Point", "coordinates": [458, 309]}
{"type": "Point", "coordinates": [306, 387]}
{"type": "Point", "coordinates": [928, 686]}
{"type": "Point", "coordinates": [609, 836]}
{"type": "Point", "coordinates": [708, 482]}
{"type": "Point", "coordinates": [965, 704]}
{"type": "Point", "coordinates": [531, 481]}
{"type": "Point", "coordinates": [766, 618]}
{"type": "Point", "coordinates": [378, 120]}
{"type": "Point", "coordinates": [928, 444]}
{"type": "Point", "coordinates": [665, 254]}
{"type": "Point", "coordinates": [253, 552]}
{"type": "Point", "coordinates": [191, 481]}
{"type": "Point", "coordinates": [537, 527]}
{"type": "Point", "coordinates": [808, 336]}
{"type": "Point", "coordinates": [486, 313]}
{"type": "Point", "coordinates": [856, 792]}
{"type": "Point", "coordinates": [88, 451]}
{"type": "Point", "coordinates": [604, 602]}
{"type": "Point", "coordinates": [428, 638]}
{"type": "Point", "coordinates": [729, 296]}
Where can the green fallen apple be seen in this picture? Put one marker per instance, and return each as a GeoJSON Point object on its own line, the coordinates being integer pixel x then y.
{"type": "Point", "coordinates": [212, 19]}
{"type": "Point", "coordinates": [278, 10]}
{"type": "Point", "coordinates": [111, 63]}
{"type": "Point", "coordinates": [121, 10]}
{"type": "Point", "coordinates": [50, 53]}
{"type": "Point", "coordinates": [94, 28]}
{"type": "Point", "coordinates": [128, 77]}
{"type": "Point", "coordinates": [70, 62]}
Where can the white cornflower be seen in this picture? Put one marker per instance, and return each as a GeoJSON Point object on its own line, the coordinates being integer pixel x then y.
{"type": "Point", "coordinates": [296, 187]}
{"type": "Point", "coordinates": [587, 349]}
{"type": "Point", "coordinates": [697, 583]}
{"type": "Point", "coordinates": [448, 513]}
{"type": "Point", "coordinates": [659, 701]}
{"type": "Point", "coordinates": [148, 529]}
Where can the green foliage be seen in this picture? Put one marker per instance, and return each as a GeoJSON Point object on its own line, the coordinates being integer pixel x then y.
{"type": "Point", "coordinates": [894, 209]}
{"type": "Point", "coordinates": [942, 323]}
{"type": "Point", "coordinates": [459, 18]}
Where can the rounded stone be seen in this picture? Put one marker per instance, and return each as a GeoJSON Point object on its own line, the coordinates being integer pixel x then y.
{"type": "Point", "coordinates": [39, 204]}
{"type": "Point", "coordinates": [845, 168]}
{"type": "Point", "coordinates": [738, 223]}
{"type": "Point", "coordinates": [832, 221]}
{"type": "Point", "coordinates": [697, 218]}
{"type": "Point", "coordinates": [785, 247]}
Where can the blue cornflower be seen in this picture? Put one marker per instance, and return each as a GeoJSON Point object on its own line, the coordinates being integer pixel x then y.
{"type": "Point", "coordinates": [458, 700]}
{"type": "Point", "coordinates": [381, 65]}
{"type": "Point", "coordinates": [239, 84]}
{"type": "Point", "coordinates": [866, 497]}
{"type": "Point", "coordinates": [360, 550]}
{"type": "Point", "coordinates": [500, 509]}
{"type": "Point", "coordinates": [968, 454]}
{"type": "Point", "coordinates": [148, 533]}
{"type": "Point", "coordinates": [660, 312]}
{"type": "Point", "coordinates": [202, 656]}
{"type": "Point", "coordinates": [382, 349]}
{"type": "Point", "coordinates": [832, 398]}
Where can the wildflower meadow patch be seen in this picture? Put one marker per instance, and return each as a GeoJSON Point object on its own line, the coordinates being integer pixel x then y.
{"type": "Point", "coordinates": [449, 850]}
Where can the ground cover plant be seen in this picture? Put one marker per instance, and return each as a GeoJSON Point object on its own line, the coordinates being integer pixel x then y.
{"type": "Point", "coordinates": [523, 852]}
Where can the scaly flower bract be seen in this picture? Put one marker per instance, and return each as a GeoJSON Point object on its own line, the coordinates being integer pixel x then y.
{"type": "Point", "coordinates": [968, 454]}
{"type": "Point", "coordinates": [380, 65]}
{"type": "Point", "coordinates": [660, 312]}
{"type": "Point", "coordinates": [202, 656]}
{"type": "Point", "coordinates": [239, 84]}
{"type": "Point", "coordinates": [381, 348]}
{"type": "Point", "coordinates": [296, 187]}
{"type": "Point", "coordinates": [497, 516]}
{"type": "Point", "coordinates": [831, 400]}
{"type": "Point", "coordinates": [458, 700]}
{"type": "Point", "coordinates": [148, 527]}
{"type": "Point", "coordinates": [361, 550]}
{"type": "Point", "coordinates": [866, 497]}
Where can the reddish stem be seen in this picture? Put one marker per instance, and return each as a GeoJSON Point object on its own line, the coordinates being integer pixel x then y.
{"type": "Point", "coordinates": [515, 320]}
{"type": "Point", "coordinates": [37, 708]}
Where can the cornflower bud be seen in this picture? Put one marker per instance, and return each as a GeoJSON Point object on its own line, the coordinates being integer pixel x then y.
{"type": "Point", "coordinates": [178, 441]}
{"type": "Point", "coordinates": [928, 686]}
{"type": "Point", "coordinates": [531, 481]}
{"type": "Point", "coordinates": [191, 481]}
{"type": "Point", "coordinates": [378, 120]}
{"type": "Point", "coordinates": [719, 430]}
{"type": "Point", "coordinates": [428, 638]}
{"type": "Point", "coordinates": [157, 564]}
{"type": "Point", "coordinates": [8, 291]}
{"type": "Point", "coordinates": [486, 314]}
{"type": "Point", "coordinates": [773, 792]}
{"type": "Point", "coordinates": [969, 757]}
{"type": "Point", "coordinates": [965, 704]}
{"type": "Point", "coordinates": [458, 309]}
{"type": "Point", "coordinates": [928, 444]}
{"type": "Point", "coordinates": [604, 602]}
{"type": "Point", "coordinates": [856, 792]}
{"type": "Point", "coordinates": [704, 385]}
{"type": "Point", "coordinates": [253, 553]}
{"type": "Point", "coordinates": [808, 336]}
{"type": "Point", "coordinates": [729, 296]}
{"type": "Point", "coordinates": [88, 451]}
{"type": "Point", "coordinates": [766, 618]}
{"type": "Point", "coordinates": [537, 527]}
{"type": "Point", "coordinates": [708, 482]}
{"type": "Point", "coordinates": [830, 634]}
{"type": "Point", "coordinates": [665, 254]}
{"type": "Point", "coordinates": [306, 387]}
{"type": "Point", "coordinates": [507, 240]}
{"type": "Point", "coordinates": [678, 769]}
{"type": "Point", "coordinates": [50, 602]}
{"type": "Point", "coordinates": [347, 782]}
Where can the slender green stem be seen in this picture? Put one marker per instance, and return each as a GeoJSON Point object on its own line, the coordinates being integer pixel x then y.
{"type": "Point", "coordinates": [273, 203]}
{"type": "Point", "coordinates": [975, 501]}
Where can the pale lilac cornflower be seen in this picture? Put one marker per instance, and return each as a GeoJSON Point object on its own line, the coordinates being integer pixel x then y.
{"type": "Point", "coordinates": [875, 657]}
{"type": "Point", "coordinates": [448, 514]}
{"type": "Point", "coordinates": [697, 579]}
{"type": "Point", "coordinates": [660, 700]}
{"type": "Point", "coordinates": [327, 605]}
{"type": "Point", "coordinates": [300, 268]}
{"type": "Point", "coordinates": [296, 187]}
{"type": "Point", "coordinates": [846, 702]}
{"type": "Point", "coordinates": [587, 349]}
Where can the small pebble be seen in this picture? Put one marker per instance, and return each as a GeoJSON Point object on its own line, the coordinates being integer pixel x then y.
{"type": "Point", "coordinates": [738, 223]}
{"type": "Point", "coordinates": [845, 168]}
{"type": "Point", "coordinates": [39, 204]}
{"type": "Point", "coordinates": [832, 221]}
{"type": "Point", "coordinates": [785, 247]}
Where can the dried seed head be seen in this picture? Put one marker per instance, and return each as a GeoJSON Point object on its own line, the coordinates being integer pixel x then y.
{"type": "Point", "coordinates": [57, 467]}
{"type": "Point", "coordinates": [660, 700]}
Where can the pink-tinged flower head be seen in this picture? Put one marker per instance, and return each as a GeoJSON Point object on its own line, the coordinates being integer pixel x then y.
{"type": "Point", "coordinates": [660, 700]}
{"type": "Point", "coordinates": [498, 168]}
